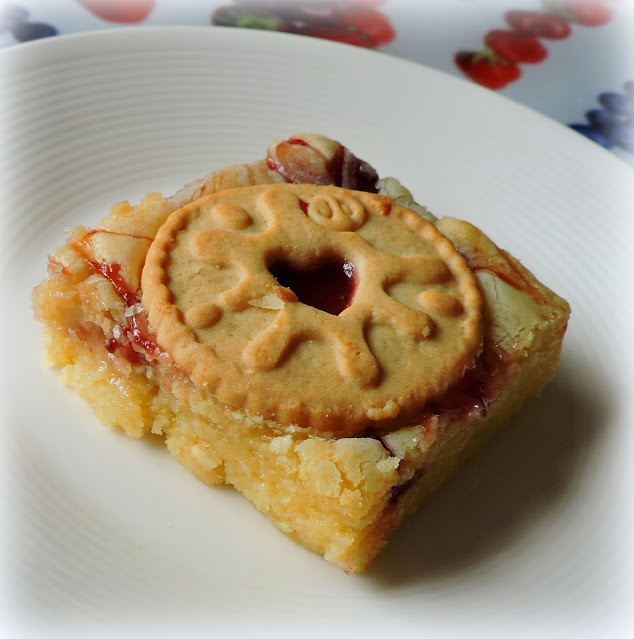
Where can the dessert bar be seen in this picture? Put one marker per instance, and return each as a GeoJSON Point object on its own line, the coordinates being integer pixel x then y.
{"type": "Point", "coordinates": [303, 330]}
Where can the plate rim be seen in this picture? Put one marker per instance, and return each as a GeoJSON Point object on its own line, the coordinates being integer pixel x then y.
{"type": "Point", "coordinates": [145, 35]}
{"type": "Point", "coordinates": [106, 34]}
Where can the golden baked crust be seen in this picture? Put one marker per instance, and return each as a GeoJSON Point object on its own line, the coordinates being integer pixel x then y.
{"type": "Point", "coordinates": [411, 329]}
{"type": "Point", "coordinates": [339, 495]}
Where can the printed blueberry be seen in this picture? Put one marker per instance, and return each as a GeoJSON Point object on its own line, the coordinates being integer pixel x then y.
{"type": "Point", "coordinates": [592, 134]}
{"type": "Point", "coordinates": [25, 31]}
{"type": "Point", "coordinates": [601, 119]}
{"type": "Point", "coordinates": [622, 135]}
{"type": "Point", "coordinates": [11, 15]}
{"type": "Point", "coordinates": [617, 102]}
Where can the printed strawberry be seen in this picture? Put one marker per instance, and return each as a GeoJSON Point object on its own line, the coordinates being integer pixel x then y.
{"type": "Point", "coordinates": [249, 18]}
{"type": "Point", "coordinates": [367, 3]}
{"type": "Point", "coordinates": [516, 46]}
{"type": "Point", "coordinates": [316, 4]}
{"type": "Point", "coordinates": [353, 22]}
{"type": "Point", "coordinates": [122, 11]}
{"type": "Point", "coordinates": [541, 25]}
{"type": "Point", "coordinates": [372, 24]}
{"type": "Point", "coordinates": [337, 34]}
{"type": "Point", "coordinates": [486, 69]}
{"type": "Point", "coordinates": [589, 13]}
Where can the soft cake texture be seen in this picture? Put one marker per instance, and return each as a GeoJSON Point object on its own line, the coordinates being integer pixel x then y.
{"type": "Point", "coordinates": [338, 491]}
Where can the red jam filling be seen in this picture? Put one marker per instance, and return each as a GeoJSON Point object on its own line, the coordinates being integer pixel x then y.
{"type": "Point", "coordinates": [112, 272]}
{"type": "Point", "coordinates": [507, 271]}
{"type": "Point", "coordinates": [137, 332]}
{"type": "Point", "coordinates": [298, 141]}
{"type": "Point", "coordinates": [308, 165]}
{"type": "Point", "coordinates": [471, 396]}
{"type": "Point", "coordinates": [136, 329]}
{"type": "Point", "coordinates": [328, 285]}
{"type": "Point", "coordinates": [398, 492]}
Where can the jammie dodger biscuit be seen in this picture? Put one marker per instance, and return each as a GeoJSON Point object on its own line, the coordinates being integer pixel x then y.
{"type": "Point", "coordinates": [219, 285]}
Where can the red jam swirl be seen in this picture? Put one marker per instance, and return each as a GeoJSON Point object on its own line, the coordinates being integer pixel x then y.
{"type": "Point", "coordinates": [310, 166]}
{"type": "Point", "coordinates": [507, 271]}
{"type": "Point", "coordinates": [136, 339]}
{"type": "Point", "coordinates": [112, 272]}
{"type": "Point", "coordinates": [136, 329]}
{"type": "Point", "coordinates": [471, 396]}
{"type": "Point", "coordinates": [297, 141]}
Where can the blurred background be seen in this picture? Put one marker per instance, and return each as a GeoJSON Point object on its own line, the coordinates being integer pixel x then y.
{"type": "Point", "coordinates": [571, 60]}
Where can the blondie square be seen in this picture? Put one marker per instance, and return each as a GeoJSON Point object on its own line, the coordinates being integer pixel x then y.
{"type": "Point", "coordinates": [304, 331]}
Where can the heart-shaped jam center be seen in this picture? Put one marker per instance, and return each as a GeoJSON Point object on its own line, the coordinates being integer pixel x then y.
{"type": "Point", "coordinates": [328, 284]}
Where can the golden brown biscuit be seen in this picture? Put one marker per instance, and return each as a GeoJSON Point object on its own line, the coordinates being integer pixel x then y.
{"type": "Point", "coordinates": [409, 327]}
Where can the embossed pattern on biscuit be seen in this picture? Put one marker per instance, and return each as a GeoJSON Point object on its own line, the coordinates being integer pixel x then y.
{"type": "Point", "coordinates": [411, 327]}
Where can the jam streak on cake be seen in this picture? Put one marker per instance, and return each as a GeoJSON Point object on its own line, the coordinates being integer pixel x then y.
{"type": "Point", "coordinates": [468, 399]}
{"type": "Point", "coordinates": [112, 272]}
{"type": "Point", "coordinates": [297, 161]}
{"type": "Point", "coordinates": [137, 329]}
{"type": "Point", "coordinates": [399, 492]}
{"type": "Point", "coordinates": [506, 271]}
{"type": "Point", "coordinates": [139, 340]}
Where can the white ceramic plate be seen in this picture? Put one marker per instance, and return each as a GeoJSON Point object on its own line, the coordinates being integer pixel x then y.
{"type": "Point", "coordinates": [110, 535]}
